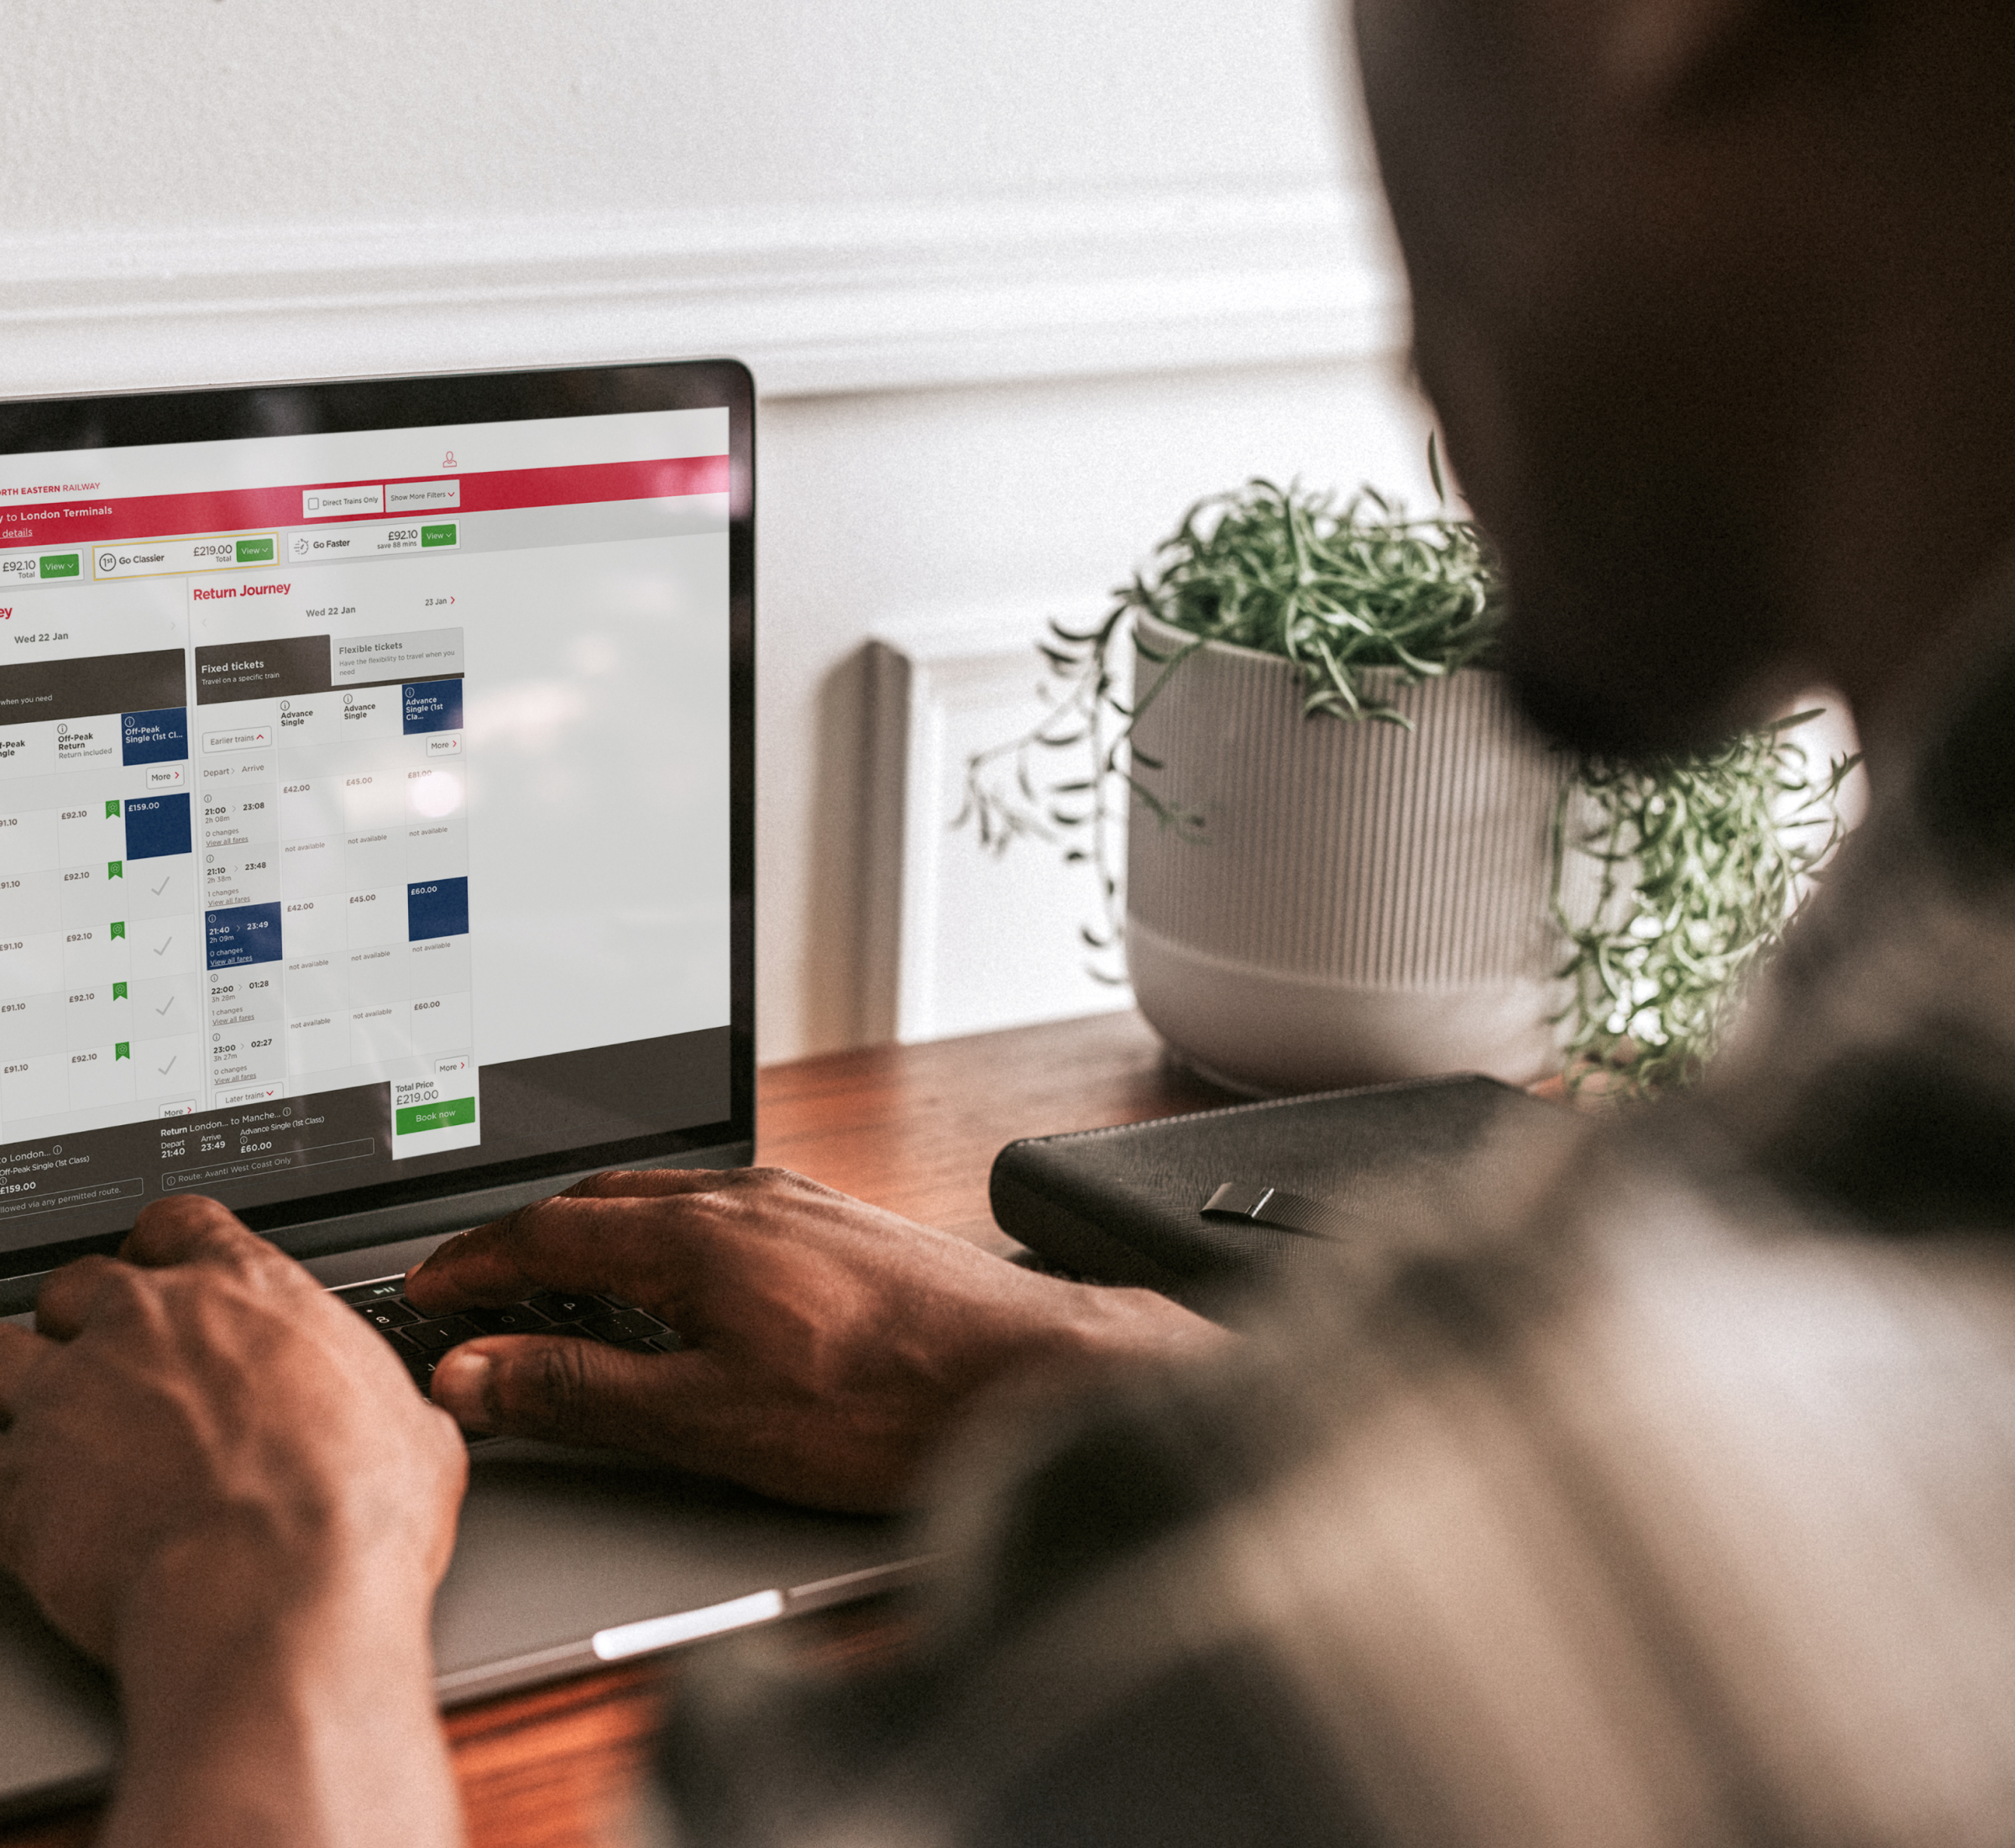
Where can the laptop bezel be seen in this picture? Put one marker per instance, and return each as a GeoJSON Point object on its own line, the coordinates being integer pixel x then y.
{"type": "Point", "coordinates": [389, 1212]}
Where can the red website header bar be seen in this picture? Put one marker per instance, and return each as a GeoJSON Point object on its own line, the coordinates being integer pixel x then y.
{"type": "Point", "coordinates": [168, 515]}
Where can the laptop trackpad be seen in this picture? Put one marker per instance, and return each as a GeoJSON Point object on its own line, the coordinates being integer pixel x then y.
{"type": "Point", "coordinates": [556, 1547]}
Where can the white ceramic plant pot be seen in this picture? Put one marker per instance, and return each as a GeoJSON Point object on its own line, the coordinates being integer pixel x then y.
{"type": "Point", "coordinates": [1366, 903]}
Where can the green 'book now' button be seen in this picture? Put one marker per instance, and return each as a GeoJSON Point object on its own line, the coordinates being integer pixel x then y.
{"type": "Point", "coordinates": [415, 1118]}
{"type": "Point", "coordinates": [252, 552]}
{"type": "Point", "coordinates": [64, 565]}
{"type": "Point", "coordinates": [437, 536]}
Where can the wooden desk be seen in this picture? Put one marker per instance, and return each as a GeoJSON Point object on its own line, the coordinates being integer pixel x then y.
{"type": "Point", "coordinates": [914, 1128]}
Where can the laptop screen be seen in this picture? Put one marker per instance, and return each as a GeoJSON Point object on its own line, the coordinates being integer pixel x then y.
{"type": "Point", "coordinates": [368, 805]}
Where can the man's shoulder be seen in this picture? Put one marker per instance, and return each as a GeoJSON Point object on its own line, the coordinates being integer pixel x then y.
{"type": "Point", "coordinates": [1665, 1510]}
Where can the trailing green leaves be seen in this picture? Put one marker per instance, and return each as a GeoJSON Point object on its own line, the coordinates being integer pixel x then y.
{"type": "Point", "coordinates": [1704, 861]}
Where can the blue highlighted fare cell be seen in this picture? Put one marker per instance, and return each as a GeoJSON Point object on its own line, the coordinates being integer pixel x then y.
{"type": "Point", "coordinates": [432, 706]}
{"type": "Point", "coordinates": [157, 826]}
{"type": "Point", "coordinates": [155, 737]}
{"type": "Point", "coordinates": [436, 907]}
{"type": "Point", "coordinates": [243, 934]}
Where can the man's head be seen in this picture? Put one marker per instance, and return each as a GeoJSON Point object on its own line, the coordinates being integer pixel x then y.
{"type": "Point", "coordinates": [1716, 299]}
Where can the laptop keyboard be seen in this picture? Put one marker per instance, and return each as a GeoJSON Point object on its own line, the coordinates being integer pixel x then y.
{"type": "Point", "coordinates": [421, 1340]}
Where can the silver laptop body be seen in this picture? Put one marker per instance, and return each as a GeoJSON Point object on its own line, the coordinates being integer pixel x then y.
{"type": "Point", "coordinates": [376, 816]}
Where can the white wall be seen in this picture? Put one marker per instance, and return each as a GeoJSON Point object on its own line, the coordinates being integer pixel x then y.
{"type": "Point", "coordinates": [1018, 282]}
{"type": "Point", "coordinates": [152, 114]}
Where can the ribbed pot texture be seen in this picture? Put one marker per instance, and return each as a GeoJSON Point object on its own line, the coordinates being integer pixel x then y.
{"type": "Point", "coordinates": [1366, 903]}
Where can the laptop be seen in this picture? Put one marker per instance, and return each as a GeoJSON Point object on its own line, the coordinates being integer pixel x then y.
{"type": "Point", "coordinates": [376, 816]}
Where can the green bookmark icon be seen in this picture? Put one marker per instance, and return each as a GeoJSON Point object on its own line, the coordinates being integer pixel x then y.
{"type": "Point", "coordinates": [115, 869]}
{"type": "Point", "coordinates": [118, 930]}
{"type": "Point", "coordinates": [112, 807]}
{"type": "Point", "coordinates": [118, 991]}
{"type": "Point", "coordinates": [123, 1049]}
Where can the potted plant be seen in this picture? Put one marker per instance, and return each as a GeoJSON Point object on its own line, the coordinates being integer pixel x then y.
{"type": "Point", "coordinates": [1348, 858]}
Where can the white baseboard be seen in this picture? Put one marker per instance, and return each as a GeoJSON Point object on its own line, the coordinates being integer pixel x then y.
{"type": "Point", "coordinates": [959, 940]}
{"type": "Point", "coordinates": [842, 299]}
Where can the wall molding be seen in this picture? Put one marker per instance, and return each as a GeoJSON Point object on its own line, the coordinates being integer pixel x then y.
{"type": "Point", "coordinates": [930, 680]}
{"type": "Point", "coordinates": [853, 298]}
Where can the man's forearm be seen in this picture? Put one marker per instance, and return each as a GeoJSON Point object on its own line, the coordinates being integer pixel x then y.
{"type": "Point", "coordinates": [1133, 1325]}
{"type": "Point", "coordinates": [308, 1726]}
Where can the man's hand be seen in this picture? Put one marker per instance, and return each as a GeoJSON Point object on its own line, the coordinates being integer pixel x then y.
{"type": "Point", "coordinates": [201, 1394]}
{"type": "Point", "coordinates": [829, 1345]}
{"type": "Point", "coordinates": [215, 1478]}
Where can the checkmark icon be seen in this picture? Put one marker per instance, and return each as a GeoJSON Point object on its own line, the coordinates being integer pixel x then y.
{"type": "Point", "coordinates": [165, 1005]}
{"type": "Point", "coordinates": [169, 1066]}
{"type": "Point", "coordinates": [162, 887]}
{"type": "Point", "coordinates": [163, 951]}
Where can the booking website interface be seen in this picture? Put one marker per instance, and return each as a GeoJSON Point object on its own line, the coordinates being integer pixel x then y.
{"type": "Point", "coordinates": [364, 808]}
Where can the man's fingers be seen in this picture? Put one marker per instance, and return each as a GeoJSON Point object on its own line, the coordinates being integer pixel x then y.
{"type": "Point", "coordinates": [186, 1227]}
{"type": "Point", "coordinates": [20, 1353]}
{"type": "Point", "coordinates": [572, 1392]}
{"type": "Point", "coordinates": [632, 1248]}
{"type": "Point", "coordinates": [65, 1300]}
{"type": "Point", "coordinates": [478, 1266]}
